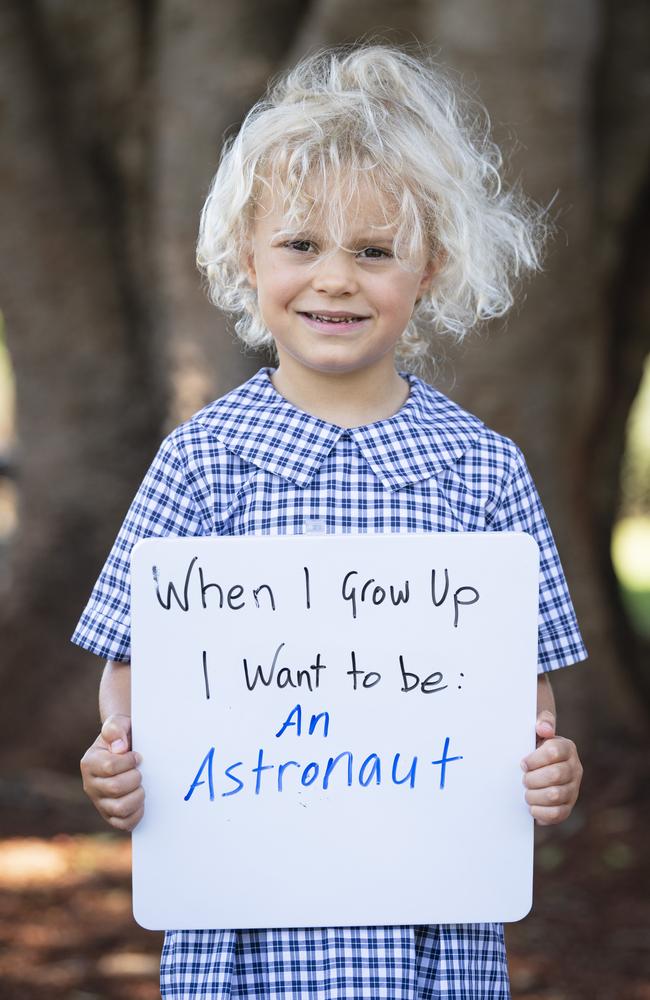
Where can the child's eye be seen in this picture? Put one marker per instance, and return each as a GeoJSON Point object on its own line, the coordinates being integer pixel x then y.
{"type": "Point", "coordinates": [375, 253]}
{"type": "Point", "coordinates": [303, 246]}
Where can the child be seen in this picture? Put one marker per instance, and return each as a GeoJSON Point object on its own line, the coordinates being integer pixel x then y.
{"type": "Point", "coordinates": [355, 209]}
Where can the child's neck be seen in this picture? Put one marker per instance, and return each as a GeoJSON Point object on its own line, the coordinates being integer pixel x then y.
{"type": "Point", "coordinates": [348, 399]}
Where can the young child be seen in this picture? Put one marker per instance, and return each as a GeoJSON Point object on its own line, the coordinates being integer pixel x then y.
{"type": "Point", "coordinates": [357, 215]}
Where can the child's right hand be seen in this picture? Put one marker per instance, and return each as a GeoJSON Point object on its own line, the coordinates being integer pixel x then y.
{"type": "Point", "coordinates": [110, 774]}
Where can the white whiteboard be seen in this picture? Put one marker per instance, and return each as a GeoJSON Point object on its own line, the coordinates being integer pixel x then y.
{"type": "Point", "coordinates": [251, 820]}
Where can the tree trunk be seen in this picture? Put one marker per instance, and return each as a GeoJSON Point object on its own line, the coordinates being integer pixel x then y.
{"type": "Point", "coordinates": [212, 61]}
{"type": "Point", "coordinates": [542, 377]}
{"type": "Point", "coordinates": [87, 406]}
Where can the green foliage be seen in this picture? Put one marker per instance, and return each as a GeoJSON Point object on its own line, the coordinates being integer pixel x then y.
{"type": "Point", "coordinates": [635, 470]}
{"type": "Point", "coordinates": [7, 392]}
{"type": "Point", "coordinates": [631, 538]}
{"type": "Point", "coordinates": [637, 604]}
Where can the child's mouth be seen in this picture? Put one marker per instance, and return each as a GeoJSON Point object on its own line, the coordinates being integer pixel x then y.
{"type": "Point", "coordinates": [325, 322]}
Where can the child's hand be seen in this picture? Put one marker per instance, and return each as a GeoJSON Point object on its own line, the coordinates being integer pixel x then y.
{"type": "Point", "coordinates": [553, 773]}
{"type": "Point", "coordinates": [110, 776]}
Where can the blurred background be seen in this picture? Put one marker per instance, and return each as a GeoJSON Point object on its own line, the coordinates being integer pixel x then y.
{"type": "Point", "coordinates": [111, 117]}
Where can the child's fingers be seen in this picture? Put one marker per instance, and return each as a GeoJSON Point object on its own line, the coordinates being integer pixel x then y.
{"type": "Point", "coordinates": [555, 795]}
{"type": "Point", "coordinates": [545, 725]}
{"type": "Point", "coordinates": [116, 733]}
{"type": "Point", "coordinates": [110, 764]}
{"type": "Point", "coordinates": [552, 778]}
{"type": "Point", "coordinates": [100, 763]}
{"type": "Point", "coordinates": [552, 751]}
{"type": "Point", "coordinates": [549, 815]}
{"type": "Point", "coordinates": [107, 775]}
{"type": "Point", "coordinates": [111, 778]}
{"type": "Point", "coordinates": [118, 785]}
{"type": "Point", "coordinates": [124, 813]}
{"type": "Point", "coordinates": [131, 822]}
{"type": "Point", "coordinates": [553, 774]}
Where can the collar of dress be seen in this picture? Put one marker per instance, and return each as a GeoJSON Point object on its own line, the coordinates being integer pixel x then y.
{"type": "Point", "coordinates": [428, 434]}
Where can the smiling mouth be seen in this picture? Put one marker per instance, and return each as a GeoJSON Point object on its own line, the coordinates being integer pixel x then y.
{"type": "Point", "coordinates": [324, 318]}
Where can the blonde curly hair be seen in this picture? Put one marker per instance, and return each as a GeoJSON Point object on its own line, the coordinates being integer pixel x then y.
{"type": "Point", "coordinates": [368, 114]}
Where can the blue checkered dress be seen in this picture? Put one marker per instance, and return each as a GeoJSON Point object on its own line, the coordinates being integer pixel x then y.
{"type": "Point", "coordinates": [251, 463]}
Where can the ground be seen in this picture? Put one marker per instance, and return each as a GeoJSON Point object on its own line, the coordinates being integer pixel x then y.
{"type": "Point", "coordinates": [66, 929]}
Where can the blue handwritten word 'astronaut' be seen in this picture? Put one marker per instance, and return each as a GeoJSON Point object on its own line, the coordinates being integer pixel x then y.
{"type": "Point", "coordinates": [341, 770]}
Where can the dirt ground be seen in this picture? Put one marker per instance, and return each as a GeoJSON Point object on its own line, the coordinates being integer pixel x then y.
{"type": "Point", "coordinates": [66, 929]}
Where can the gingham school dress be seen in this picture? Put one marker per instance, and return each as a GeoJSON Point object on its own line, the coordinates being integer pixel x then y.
{"type": "Point", "coordinates": [251, 463]}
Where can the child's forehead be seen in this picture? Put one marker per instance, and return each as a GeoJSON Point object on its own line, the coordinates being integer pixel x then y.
{"type": "Point", "coordinates": [358, 205]}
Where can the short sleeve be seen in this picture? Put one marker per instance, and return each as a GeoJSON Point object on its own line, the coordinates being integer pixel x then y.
{"type": "Point", "coordinates": [520, 509]}
{"type": "Point", "coordinates": [163, 506]}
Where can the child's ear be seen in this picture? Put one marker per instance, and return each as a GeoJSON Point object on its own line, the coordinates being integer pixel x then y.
{"type": "Point", "coordinates": [251, 273]}
{"type": "Point", "coordinates": [427, 277]}
{"type": "Point", "coordinates": [430, 271]}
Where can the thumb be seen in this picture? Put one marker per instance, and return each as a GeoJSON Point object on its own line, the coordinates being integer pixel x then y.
{"type": "Point", "coordinates": [116, 733]}
{"type": "Point", "coordinates": [545, 725]}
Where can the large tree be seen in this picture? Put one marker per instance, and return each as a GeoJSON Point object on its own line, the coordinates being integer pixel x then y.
{"type": "Point", "coordinates": [112, 119]}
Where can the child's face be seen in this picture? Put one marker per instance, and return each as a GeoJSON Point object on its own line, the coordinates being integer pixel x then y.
{"type": "Point", "coordinates": [301, 292]}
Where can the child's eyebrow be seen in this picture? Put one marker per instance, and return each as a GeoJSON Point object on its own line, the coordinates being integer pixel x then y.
{"type": "Point", "coordinates": [365, 237]}
{"type": "Point", "coordinates": [360, 237]}
{"type": "Point", "coordinates": [377, 237]}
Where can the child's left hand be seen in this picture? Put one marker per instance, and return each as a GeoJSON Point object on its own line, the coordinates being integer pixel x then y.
{"type": "Point", "coordinates": [553, 773]}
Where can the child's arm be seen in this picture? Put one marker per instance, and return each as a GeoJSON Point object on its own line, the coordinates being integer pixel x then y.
{"type": "Point", "coordinates": [109, 767]}
{"type": "Point", "coordinates": [553, 771]}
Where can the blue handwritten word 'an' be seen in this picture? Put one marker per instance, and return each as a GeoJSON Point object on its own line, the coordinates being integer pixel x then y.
{"type": "Point", "coordinates": [294, 720]}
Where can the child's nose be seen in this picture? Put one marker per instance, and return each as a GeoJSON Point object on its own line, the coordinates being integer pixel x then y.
{"type": "Point", "coordinates": [335, 274]}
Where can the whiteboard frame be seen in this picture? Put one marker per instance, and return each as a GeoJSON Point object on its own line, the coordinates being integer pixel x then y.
{"type": "Point", "coordinates": [405, 873]}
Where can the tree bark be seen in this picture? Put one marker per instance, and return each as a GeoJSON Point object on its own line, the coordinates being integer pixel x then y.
{"type": "Point", "coordinates": [87, 407]}
{"type": "Point", "coordinates": [212, 62]}
{"type": "Point", "coordinates": [542, 377]}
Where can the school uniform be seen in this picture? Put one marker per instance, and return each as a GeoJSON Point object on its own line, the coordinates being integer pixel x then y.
{"type": "Point", "coordinates": [252, 463]}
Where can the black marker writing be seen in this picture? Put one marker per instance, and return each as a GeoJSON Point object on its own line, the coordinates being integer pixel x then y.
{"type": "Point", "coordinates": [368, 678]}
{"type": "Point", "coordinates": [376, 595]}
{"type": "Point", "coordinates": [205, 675]}
{"type": "Point", "coordinates": [184, 601]}
{"type": "Point", "coordinates": [210, 593]}
{"type": "Point", "coordinates": [463, 596]}
{"type": "Point", "coordinates": [308, 677]}
{"type": "Point", "coordinates": [412, 681]}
